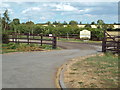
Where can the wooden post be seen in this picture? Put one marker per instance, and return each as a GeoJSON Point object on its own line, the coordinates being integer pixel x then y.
{"type": "Point", "coordinates": [18, 36]}
{"type": "Point", "coordinates": [67, 36]}
{"type": "Point", "coordinates": [54, 43]}
{"type": "Point", "coordinates": [12, 37]}
{"type": "Point", "coordinates": [15, 38]}
{"type": "Point", "coordinates": [104, 43]}
{"type": "Point", "coordinates": [41, 39]}
{"type": "Point", "coordinates": [118, 47]}
{"type": "Point", "coordinates": [28, 38]}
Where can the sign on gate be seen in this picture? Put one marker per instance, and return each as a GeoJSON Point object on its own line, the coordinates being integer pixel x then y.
{"type": "Point", "coordinates": [85, 34]}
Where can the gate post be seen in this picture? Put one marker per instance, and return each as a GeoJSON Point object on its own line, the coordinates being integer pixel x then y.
{"type": "Point", "coordinates": [54, 43]}
{"type": "Point", "coordinates": [104, 42]}
{"type": "Point", "coordinates": [118, 47]}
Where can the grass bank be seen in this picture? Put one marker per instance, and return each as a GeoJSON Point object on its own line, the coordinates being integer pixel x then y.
{"type": "Point", "coordinates": [100, 71]}
{"type": "Point", "coordinates": [22, 47]}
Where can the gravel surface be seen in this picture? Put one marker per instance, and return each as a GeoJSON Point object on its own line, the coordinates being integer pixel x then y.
{"type": "Point", "coordinates": [38, 69]}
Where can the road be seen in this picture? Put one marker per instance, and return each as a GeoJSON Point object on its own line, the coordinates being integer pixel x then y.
{"type": "Point", "coordinates": [38, 69]}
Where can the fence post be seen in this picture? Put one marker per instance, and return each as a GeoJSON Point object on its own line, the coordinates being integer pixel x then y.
{"type": "Point", "coordinates": [41, 39]}
{"type": "Point", "coordinates": [67, 36]}
{"type": "Point", "coordinates": [104, 42]}
{"type": "Point", "coordinates": [12, 37]}
{"type": "Point", "coordinates": [28, 38]}
{"type": "Point", "coordinates": [54, 43]}
{"type": "Point", "coordinates": [118, 47]}
{"type": "Point", "coordinates": [15, 38]}
{"type": "Point", "coordinates": [18, 37]}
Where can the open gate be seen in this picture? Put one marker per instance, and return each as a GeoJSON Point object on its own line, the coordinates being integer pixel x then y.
{"type": "Point", "coordinates": [111, 42]}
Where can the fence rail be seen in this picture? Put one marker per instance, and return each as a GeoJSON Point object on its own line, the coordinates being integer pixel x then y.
{"type": "Point", "coordinates": [33, 38]}
{"type": "Point", "coordinates": [111, 43]}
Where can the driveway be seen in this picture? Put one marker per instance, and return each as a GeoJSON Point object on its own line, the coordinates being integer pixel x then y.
{"type": "Point", "coordinates": [38, 69]}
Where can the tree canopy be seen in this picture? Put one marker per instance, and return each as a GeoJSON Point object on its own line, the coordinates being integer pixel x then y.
{"type": "Point", "coordinates": [73, 22]}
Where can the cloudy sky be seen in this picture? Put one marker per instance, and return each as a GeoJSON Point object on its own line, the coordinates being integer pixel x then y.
{"type": "Point", "coordinates": [41, 12]}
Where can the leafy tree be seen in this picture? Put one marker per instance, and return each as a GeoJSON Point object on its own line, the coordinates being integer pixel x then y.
{"type": "Point", "coordinates": [59, 24]}
{"type": "Point", "coordinates": [14, 24]}
{"type": "Point", "coordinates": [80, 22]}
{"type": "Point", "coordinates": [92, 23]}
{"type": "Point", "coordinates": [100, 24]}
{"type": "Point", "coordinates": [55, 23]}
{"type": "Point", "coordinates": [64, 23]}
{"type": "Point", "coordinates": [23, 23]}
{"type": "Point", "coordinates": [48, 23]}
{"type": "Point", "coordinates": [88, 26]}
{"type": "Point", "coordinates": [5, 20]}
{"type": "Point", "coordinates": [30, 23]}
{"type": "Point", "coordinates": [73, 22]}
{"type": "Point", "coordinates": [0, 23]}
{"type": "Point", "coordinates": [16, 21]}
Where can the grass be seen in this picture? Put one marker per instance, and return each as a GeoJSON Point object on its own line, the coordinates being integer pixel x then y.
{"type": "Point", "coordinates": [96, 72]}
{"type": "Point", "coordinates": [77, 40]}
{"type": "Point", "coordinates": [22, 47]}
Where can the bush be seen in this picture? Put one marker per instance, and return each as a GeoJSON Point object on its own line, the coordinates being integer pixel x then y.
{"type": "Point", "coordinates": [13, 45]}
{"type": "Point", "coordinates": [5, 38]}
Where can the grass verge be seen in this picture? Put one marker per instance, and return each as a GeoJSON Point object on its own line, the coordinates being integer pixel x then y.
{"type": "Point", "coordinates": [100, 71]}
{"type": "Point", "coordinates": [22, 47]}
{"type": "Point", "coordinates": [77, 40]}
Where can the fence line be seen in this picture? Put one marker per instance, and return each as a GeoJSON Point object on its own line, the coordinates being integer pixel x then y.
{"type": "Point", "coordinates": [30, 38]}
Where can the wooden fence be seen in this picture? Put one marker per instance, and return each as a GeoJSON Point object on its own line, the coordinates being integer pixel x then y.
{"type": "Point", "coordinates": [111, 43]}
{"type": "Point", "coordinates": [33, 38]}
{"type": "Point", "coordinates": [77, 36]}
{"type": "Point", "coordinates": [69, 36]}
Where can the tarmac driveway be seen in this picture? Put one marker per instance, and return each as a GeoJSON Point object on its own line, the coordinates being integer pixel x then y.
{"type": "Point", "coordinates": [38, 69]}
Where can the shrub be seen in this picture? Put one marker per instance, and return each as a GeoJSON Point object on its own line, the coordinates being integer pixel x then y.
{"type": "Point", "coordinates": [12, 45]}
{"type": "Point", "coordinates": [5, 38]}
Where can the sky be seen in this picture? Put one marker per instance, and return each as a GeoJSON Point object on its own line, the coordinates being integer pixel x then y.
{"type": "Point", "coordinates": [41, 12]}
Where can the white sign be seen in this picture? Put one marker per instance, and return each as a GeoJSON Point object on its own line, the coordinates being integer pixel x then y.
{"type": "Point", "coordinates": [50, 35]}
{"type": "Point", "coordinates": [85, 34]}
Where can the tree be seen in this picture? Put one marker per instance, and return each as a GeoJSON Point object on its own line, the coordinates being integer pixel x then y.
{"type": "Point", "coordinates": [73, 22]}
{"type": "Point", "coordinates": [14, 24]}
{"type": "Point", "coordinates": [92, 23]}
{"type": "Point", "coordinates": [16, 21]}
{"type": "Point", "coordinates": [88, 26]}
{"type": "Point", "coordinates": [48, 23]}
{"type": "Point", "coordinates": [59, 24]}
{"type": "Point", "coordinates": [80, 22]}
{"type": "Point", "coordinates": [55, 23]}
{"type": "Point", "coordinates": [100, 24]}
{"type": "Point", "coordinates": [0, 20]}
{"type": "Point", "coordinates": [29, 23]}
{"type": "Point", "coordinates": [64, 23]}
{"type": "Point", "coordinates": [5, 20]}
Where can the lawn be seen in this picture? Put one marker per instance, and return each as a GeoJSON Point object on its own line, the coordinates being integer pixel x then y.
{"type": "Point", "coordinates": [93, 72]}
